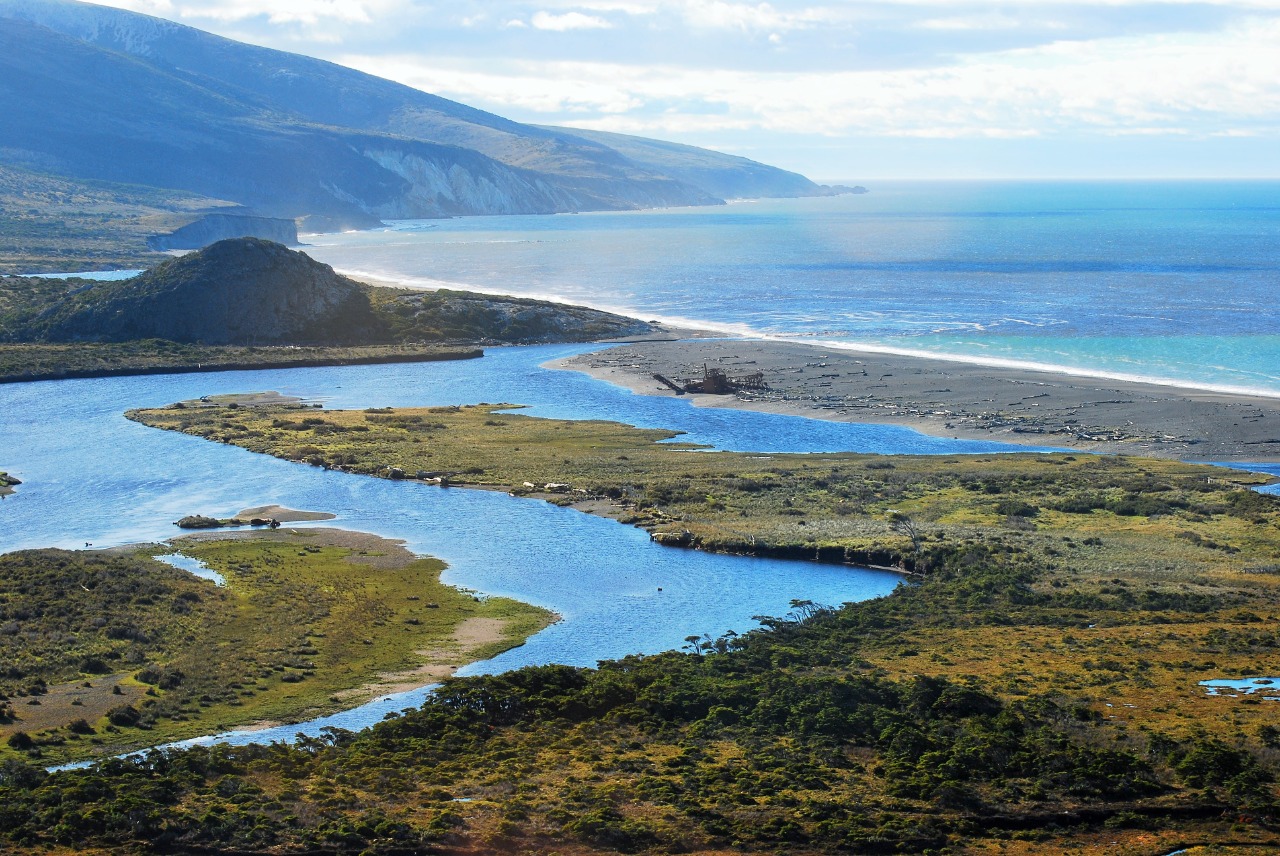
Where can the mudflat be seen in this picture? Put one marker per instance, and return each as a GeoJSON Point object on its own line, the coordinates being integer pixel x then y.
{"type": "Point", "coordinates": [955, 399]}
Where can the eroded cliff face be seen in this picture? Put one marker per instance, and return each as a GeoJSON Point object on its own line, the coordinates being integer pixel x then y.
{"type": "Point", "coordinates": [443, 188]}
{"type": "Point", "coordinates": [212, 228]}
{"type": "Point", "coordinates": [103, 94]}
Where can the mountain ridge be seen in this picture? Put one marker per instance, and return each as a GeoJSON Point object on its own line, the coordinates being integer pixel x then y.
{"type": "Point", "coordinates": [294, 136]}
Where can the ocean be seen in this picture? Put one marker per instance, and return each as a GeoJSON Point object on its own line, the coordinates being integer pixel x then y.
{"type": "Point", "coordinates": [1167, 281]}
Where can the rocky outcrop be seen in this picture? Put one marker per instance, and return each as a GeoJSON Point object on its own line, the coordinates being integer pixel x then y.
{"type": "Point", "coordinates": [212, 228]}
{"type": "Point", "coordinates": [247, 291]}
{"type": "Point", "coordinates": [243, 291]}
{"type": "Point", "coordinates": [198, 521]}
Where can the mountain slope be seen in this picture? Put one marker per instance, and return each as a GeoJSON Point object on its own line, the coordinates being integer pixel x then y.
{"type": "Point", "coordinates": [726, 176]}
{"type": "Point", "coordinates": [58, 224]}
{"type": "Point", "coordinates": [102, 93]}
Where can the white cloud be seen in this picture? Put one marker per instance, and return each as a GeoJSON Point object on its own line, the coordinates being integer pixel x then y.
{"type": "Point", "coordinates": [311, 12]}
{"type": "Point", "coordinates": [1187, 84]}
{"type": "Point", "coordinates": [544, 20]}
{"type": "Point", "coordinates": [721, 14]}
{"type": "Point", "coordinates": [987, 21]}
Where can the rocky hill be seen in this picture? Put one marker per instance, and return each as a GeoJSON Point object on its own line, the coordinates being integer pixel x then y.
{"type": "Point", "coordinates": [91, 92]}
{"type": "Point", "coordinates": [247, 291]}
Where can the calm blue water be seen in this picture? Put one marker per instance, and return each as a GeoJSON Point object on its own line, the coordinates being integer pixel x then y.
{"type": "Point", "coordinates": [1172, 281]}
{"type": "Point", "coordinates": [90, 476]}
{"type": "Point", "coordinates": [1265, 687]}
{"type": "Point", "coordinates": [96, 275]}
{"type": "Point", "coordinates": [193, 566]}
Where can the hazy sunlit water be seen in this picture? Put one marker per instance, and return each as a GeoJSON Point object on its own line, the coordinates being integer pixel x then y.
{"type": "Point", "coordinates": [1170, 281]}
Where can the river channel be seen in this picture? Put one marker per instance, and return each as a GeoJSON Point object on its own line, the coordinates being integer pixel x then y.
{"type": "Point", "coordinates": [92, 477]}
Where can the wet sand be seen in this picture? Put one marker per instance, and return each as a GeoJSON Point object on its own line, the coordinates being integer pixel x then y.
{"type": "Point", "coordinates": [960, 400]}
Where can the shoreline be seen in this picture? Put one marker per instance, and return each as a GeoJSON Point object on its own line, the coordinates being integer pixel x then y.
{"type": "Point", "coordinates": [959, 400]}
{"type": "Point", "coordinates": [447, 633]}
{"type": "Point", "coordinates": [467, 353]}
{"type": "Point", "coordinates": [472, 640]}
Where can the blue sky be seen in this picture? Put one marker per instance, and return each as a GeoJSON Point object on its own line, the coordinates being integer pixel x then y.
{"type": "Point", "coordinates": [836, 90]}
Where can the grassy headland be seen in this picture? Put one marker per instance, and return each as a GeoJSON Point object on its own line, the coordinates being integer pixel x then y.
{"type": "Point", "coordinates": [1033, 689]}
{"type": "Point", "coordinates": [22, 363]}
{"type": "Point", "coordinates": [106, 651]}
{"type": "Point", "coordinates": [7, 482]}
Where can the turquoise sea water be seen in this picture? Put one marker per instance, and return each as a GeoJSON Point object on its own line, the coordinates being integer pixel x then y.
{"type": "Point", "coordinates": [1166, 281]}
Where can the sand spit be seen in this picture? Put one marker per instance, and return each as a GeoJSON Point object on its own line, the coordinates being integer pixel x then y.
{"type": "Point", "coordinates": [960, 400]}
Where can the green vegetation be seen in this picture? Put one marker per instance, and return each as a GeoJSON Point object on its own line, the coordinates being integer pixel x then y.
{"type": "Point", "coordinates": [7, 482]}
{"type": "Point", "coordinates": [844, 507]}
{"type": "Point", "coordinates": [106, 651]}
{"type": "Point", "coordinates": [53, 223]}
{"type": "Point", "coordinates": [790, 738]}
{"type": "Point", "coordinates": [248, 303]}
{"type": "Point", "coordinates": [1032, 688]}
{"type": "Point", "coordinates": [50, 361]}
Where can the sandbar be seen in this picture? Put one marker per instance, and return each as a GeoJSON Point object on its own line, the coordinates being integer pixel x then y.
{"type": "Point", "coordinates": [959, 400]}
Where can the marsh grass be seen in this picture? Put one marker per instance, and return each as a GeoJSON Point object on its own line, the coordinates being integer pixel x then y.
{"type": "Point", "coordinates": [1031, 689]}
{"type": "Point", "coordinates": [24, 362]}
{"type": "Point", "coordinates": [1142, 562]}
{"type": "Point", "coordinates": [302, 628]}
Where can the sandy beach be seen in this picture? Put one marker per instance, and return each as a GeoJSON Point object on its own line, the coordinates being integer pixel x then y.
{"type": "Point", "coordinates": [960, 400]}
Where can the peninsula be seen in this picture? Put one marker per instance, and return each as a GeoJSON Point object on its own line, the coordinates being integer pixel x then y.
{"type": "Point", "coordinates": [120, 650]}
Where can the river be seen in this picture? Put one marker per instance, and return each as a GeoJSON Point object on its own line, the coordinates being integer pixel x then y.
{"type": "Point", "coordinates": [92, 477]}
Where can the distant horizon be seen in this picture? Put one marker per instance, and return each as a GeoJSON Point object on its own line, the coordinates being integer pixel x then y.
{"type": "Point", "coordinates": [1047, 179]}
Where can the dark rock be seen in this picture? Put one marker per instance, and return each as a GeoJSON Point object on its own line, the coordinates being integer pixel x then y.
{"type": "Point", "coordinates": [241, 291]}
{"type": "Point", "coordinates": [198, 521]}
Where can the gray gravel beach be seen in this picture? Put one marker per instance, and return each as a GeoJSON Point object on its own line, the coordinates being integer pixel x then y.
{"type": "Point", "coordinates": [955, 399]}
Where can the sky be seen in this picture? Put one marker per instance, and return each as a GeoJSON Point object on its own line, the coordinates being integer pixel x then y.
{"type": "Point", "coordinates": [835, 89]}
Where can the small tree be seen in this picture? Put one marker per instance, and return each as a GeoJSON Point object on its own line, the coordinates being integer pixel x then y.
{"type": "Point", "coordinates": [806, 610]}
{"type": "Point", "coordinates": [902, 522]}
